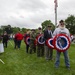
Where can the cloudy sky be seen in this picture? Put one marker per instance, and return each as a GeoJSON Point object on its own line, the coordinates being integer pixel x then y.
{"type": "Point", "coordinates": [31, 13]}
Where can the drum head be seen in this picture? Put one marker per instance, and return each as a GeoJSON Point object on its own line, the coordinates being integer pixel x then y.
{"type": "Point", "coordinates": [49, 43]}
{"type": "Point", "coordinates": [27, 40]}
{"type": "Point", "coordinates": [40, 39]}
{"type": "Point", "coordinates": [61, 42]}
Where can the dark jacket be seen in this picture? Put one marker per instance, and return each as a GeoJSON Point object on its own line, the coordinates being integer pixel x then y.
{"type": "Point", "coordinates": [47, 35]}
{"type": "Point", "coordinates": [25, 36]}
{"type": "Point", "coordinates": [5, 37]}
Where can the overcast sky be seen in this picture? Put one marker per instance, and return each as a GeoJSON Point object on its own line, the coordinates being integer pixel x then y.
{"type": "Point", "coordinates": [31, 13]}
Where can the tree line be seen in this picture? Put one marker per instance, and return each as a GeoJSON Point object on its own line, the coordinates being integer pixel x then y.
{"type": "Point", "coordinates": [69, 22]}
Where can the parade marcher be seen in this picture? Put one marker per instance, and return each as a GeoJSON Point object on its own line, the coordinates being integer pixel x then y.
{"type": "Point", "coordinates": [32, 39]}
{"type": "Point", "coordinates": [15, 41]}
{"type": "Point", "coordinates": [5, 39]}
{"type": "Point", "coordinates": [19, 38]}
{"type": "Point", "coordinates": [48, 51]}
{"type": "Point", "coordinates": [62, 30]}
{"type": "Point", "coordinates": [40, 48]}
{"type": "Point", "coordinates": [25, 37]}
{"type": "Point", "coordinates": [73, 39]}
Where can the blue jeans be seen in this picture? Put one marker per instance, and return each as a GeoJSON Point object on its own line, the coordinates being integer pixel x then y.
{"type": "Point", "coordinates": [57, 62]}
{"type": "Point", "coordinates": [18, 43]}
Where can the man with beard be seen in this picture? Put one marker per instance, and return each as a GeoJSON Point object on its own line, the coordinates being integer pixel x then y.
{"type": "Point", "coordinates": [62, 30]}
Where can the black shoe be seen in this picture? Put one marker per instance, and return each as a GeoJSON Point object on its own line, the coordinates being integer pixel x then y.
{"type": "Point", "coordinates": [56, 67]}
{"type": "Point", "coordinates": [30, 52]}
{"type": "Point", "coordinates": [26, 51]}
{"type": "Point", "coordinates": [38, 56]}
{"type": "Point", "coordinates": [68, 68]}
{"type": "Point", "coordinates": [50, 59]}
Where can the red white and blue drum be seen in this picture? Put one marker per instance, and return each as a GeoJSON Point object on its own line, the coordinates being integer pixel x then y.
{"type": "Point", "coordinates": [49, 43]}
{"type": "Point", "coordinates": [40, 39]}
{"type": "Point", "coordinates": [28, 40]}
{"type": "Point", "coordinates": [61, 42]}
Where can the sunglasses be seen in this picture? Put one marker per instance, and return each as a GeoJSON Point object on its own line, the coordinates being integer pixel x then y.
{"type": "Point", "coordinates": [62, 24]}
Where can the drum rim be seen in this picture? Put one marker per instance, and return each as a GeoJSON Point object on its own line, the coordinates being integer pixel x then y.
{"type": "Point", "coordinates": [38, 39]}
{"type": "Point", "coordinates": [49, 44]}
{"type": "Point", "coordinates": [54, 42]}
{"type": "Point", "coordinates": [27, 40]}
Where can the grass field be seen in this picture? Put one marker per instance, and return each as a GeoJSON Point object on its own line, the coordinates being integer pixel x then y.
{"type": "Point", "coordinates": [18, 62]}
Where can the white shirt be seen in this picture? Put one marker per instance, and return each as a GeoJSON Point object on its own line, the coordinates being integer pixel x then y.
{"type": "Point", "coordinates": [59, 31]}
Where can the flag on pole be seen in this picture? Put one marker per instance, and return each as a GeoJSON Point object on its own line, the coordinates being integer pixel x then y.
{"type": "Point", "coordinates": [56, 4]}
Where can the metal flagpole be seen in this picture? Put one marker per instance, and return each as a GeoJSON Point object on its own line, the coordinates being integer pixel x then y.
{"type": "Point", "coordinates": [56, 17]}
{"type": "Point", "coordinates": [55, 1]}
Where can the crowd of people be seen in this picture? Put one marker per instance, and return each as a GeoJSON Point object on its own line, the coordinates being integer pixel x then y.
{"type": "Point", "coordinates": [32, 46]}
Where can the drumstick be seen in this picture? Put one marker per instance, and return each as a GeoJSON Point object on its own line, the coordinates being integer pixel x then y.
{"type": "Point", "coordinates": [2, 61]}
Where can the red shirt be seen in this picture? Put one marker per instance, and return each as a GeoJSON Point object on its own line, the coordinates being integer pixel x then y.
{"type": "Point", "coordinates": [19, 36]}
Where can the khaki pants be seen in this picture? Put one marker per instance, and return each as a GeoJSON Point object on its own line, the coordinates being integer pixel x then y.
{"type": "Point", "coordinates": [48, 53]}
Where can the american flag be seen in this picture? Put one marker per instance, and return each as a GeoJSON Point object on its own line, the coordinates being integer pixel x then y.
{"type": "Point", "coordinates": [56, 5]}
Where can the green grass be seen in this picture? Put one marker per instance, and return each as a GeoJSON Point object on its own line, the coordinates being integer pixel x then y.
{"type": "Point", "coordinates": [18, 62]}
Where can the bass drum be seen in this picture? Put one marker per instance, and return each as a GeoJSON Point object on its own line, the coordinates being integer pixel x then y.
{"type": "Point", "coordinates": [61, 42]}
{"type": "Point", "coordinates": [27, 40]}
{"type": "Point", "coordinates": [40, 39]}
{"type": "Point", "coordinates": [49, 43]}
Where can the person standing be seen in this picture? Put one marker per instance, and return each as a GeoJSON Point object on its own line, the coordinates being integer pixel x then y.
{"type": "Point", "coordinates": [32, 40]}
{"type": "Point", "coordinates": [48, 51]}
{"type": "Point", "coordinates": [74, 38]}
{"type": "Point", "coordinates": [19, 38]}
{"type": "Point", "coordinates": [25, 38]}
{"type": "Point", "coordinates": [62, 30]}
{"type": "Point", "coordinates": [5, 39]}
{"type": "Point", "coordinates": [40, 48]}
{"type": "Point", "coordinates": [15, 41]}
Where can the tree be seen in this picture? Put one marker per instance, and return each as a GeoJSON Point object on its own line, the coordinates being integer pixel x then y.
{"type": "Point", "coordinates": [70, 23]}
{"type": "Point", "coordinates": [16, 29]}
{"type": "Point", "coordinates": [46, 23]}
{"type": "Point", "coordinates": [24, 30]}
{"type": "Point", "coordinates": [0, 31]}
{"type": "Point", "coordinates": [8, 29]}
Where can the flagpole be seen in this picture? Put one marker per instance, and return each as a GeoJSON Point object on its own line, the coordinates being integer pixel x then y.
{"type": "Point", "coordinates": [56, 5]}
{"type": "Point", "coordinates": [56, 17]}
